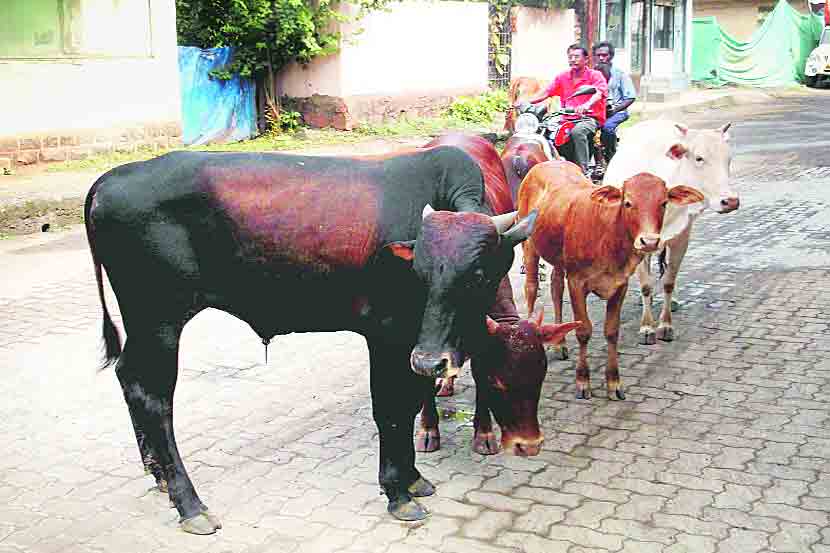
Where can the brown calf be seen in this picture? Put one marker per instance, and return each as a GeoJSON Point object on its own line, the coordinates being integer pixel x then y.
{"type": "Point", "coordinates": [596, 237]}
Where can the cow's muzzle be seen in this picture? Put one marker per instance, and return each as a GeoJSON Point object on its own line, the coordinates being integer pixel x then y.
{"type": "Point", "coordinates": [729, 204]}
{"type": "Point", "coordinates": [647, 243]}
{"type": "Point", "coordinates": [435, 365]}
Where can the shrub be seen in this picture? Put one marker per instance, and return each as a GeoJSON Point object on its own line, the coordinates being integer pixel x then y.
{"type": "Point", "coordinates": [286, 121]}
{"type": "Point", "coordinates": [479, 109]}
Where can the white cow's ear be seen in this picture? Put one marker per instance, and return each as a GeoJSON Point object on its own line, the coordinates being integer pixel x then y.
{"type": "Point", "coordinates": [725, 132]}
{"type": "Point", "coordinates": [676, 151]}
{"type": "Point", "coordinates": [427, 211]}
{"type": "Point", "coordinates": [685, 195]}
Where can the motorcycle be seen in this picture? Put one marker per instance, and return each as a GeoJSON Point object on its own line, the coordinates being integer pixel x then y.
{"type": "Point", "coordinates": [555, 127]}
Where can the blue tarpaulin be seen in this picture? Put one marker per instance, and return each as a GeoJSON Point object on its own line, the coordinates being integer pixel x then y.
{"type": "Point", "coordinates": [214, 110]}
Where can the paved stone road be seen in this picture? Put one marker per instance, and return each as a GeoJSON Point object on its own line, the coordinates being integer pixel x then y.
{"type": "Point", "coordinates": [722, 445]}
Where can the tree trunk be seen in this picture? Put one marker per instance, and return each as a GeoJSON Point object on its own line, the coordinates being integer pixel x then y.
{"type": "Point", "coordinates": [587, 16]}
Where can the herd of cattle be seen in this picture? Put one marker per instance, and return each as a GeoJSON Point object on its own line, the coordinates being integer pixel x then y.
{"type": "Point", "coordinates": [410, 250]}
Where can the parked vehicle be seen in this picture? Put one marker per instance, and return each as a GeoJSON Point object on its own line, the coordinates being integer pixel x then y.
{"type": "Point", "coordinates": [817, 67]}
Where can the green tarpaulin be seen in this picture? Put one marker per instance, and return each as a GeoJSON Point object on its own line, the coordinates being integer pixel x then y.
{"type": "Point", "coordinates": [773, 56]}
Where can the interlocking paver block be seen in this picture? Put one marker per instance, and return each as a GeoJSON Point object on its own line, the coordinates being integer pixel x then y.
{"type": "Point", "coordinates": [638, 530]}
{"type": "Point", "coordinates": [631, 546]}
{"type": "Point", "coordinates": [685, 543]}
{"type": "Point", "coordinates": [691, 525]}
{"type": "Point", "coordinates": [487, 526]}
{"type": "Point", "coordinates": [737, 497]}
{"type": "Point", "coordinates": [795, 538]}
{"type": "Point", "coordinates": [590, 513]}
{"type": "Point", "coordinates": [743, 541]}
{"type": "Point", "coordinates": [548, 497]}
{"type": "Point", "coordinates": [532, 544]}
{"type": "Point", "coordinates": [786, 491]}
{"type": "Point", "coordinates": [790, 514]}
{"type": "Point", "coordinates": [586, 537]}
{"type": "Point", "coordinates": [499, 502]}
{"type": "Point", "coordinates": [640, 507]}
{"type": "Point", "coordinates": [539, 519]}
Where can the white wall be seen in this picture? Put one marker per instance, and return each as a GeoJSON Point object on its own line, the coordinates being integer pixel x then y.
{"type": "Point", "coordinates": [540, 38]}
{"type": "Point", "coordinates": [50, 95]}
{"type": "Point", "coordinates": [662, 63]}
{"type": "Point", "coordinates": [415, 46]}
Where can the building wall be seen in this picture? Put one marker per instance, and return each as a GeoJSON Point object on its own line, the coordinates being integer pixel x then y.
{"type": "Point", "coordinates": [740, 18]}
{"type": "Point", "coordinates": [64, 104]}
{"type": "Point", "coordinates": [409, 59]}
{"type": "Point", "coordinates": [540, 38]}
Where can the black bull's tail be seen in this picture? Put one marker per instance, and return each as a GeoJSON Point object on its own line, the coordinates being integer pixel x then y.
{"type": "Point", "coordinates": [112, 340]}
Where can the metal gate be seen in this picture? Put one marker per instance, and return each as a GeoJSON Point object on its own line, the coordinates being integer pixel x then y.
{"type": "Point", "coordinates": [500, 36]}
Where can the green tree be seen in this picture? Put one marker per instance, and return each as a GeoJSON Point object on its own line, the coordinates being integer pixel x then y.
{"type": "Point", "coordinates": [266, 35]}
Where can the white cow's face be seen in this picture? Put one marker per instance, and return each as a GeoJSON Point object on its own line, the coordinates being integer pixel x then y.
{"type": "Point", "coordinates": [704, 158]}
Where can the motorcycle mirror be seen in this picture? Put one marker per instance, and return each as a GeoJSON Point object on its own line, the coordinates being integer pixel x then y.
{"type": "Point", "coordinates": [583, 90]}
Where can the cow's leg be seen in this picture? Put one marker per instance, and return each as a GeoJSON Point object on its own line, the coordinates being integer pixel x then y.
{"type": "Point", "coordinates": [484, 437]}
{"type": "Point", "coordinates": [647, 335]}
{"type": "Point", "coordinates": [531, 260]}
{"type": "Point", "coordinates": [557, 291]}
{"type": "Point", "coordinates": [428, 437]}
{"type": "Point", "coordinates": [675, 251]}
{"type": "Point", "coordinates": [397, 394]}
{"type": "Point", "coordinates": [613, 309]}
{"type": "Point", "coordinates": [147, 370]}
{"type": "Point", "coordinates": [579, 303]}
{"type": "Point", "coordinates": [149, 457]}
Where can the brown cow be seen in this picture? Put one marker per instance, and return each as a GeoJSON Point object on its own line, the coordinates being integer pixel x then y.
{"type": "Point", "coordinates": [520, 154]}
{"type": "Point", "coordinates": [511, 365]}
{"type": "Point", "coordinates": [596, 236]}
{"type": "Point", "coordinates": [521, 88]}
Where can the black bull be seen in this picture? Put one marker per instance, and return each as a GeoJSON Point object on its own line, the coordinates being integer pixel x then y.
{"type": "Point", "coordinates": [278, 239]}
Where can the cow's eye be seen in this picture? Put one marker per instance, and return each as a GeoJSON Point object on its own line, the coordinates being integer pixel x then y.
{"type": "Point", "coordinates": [699, 159]}
{"type": "Point", "coordinates": [627, 204]}
{"type": "Point", "coordinates": [664, 204]}
{"type": "Point", "coordinates": [479, 279]}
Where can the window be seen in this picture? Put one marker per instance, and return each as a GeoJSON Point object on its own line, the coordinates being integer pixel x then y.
{"type": "Point", "coordinates": [75, 28]}
{"type": "Point", "coordinates": [664, 25]}
{"type": "Point", "coordinates": [615, 23]}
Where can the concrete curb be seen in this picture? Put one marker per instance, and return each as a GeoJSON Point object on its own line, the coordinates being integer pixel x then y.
{"type": "Point", "coordinates": [721, 99]}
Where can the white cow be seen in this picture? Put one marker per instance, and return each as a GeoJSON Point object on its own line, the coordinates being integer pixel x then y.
{"type": "Point", "coordinates": [678, 155]}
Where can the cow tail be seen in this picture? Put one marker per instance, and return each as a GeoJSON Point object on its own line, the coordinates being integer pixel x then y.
{"type": "Point", "coordinates": [661, 262]}
{"type": "Point", "coordinates": [112, 339]}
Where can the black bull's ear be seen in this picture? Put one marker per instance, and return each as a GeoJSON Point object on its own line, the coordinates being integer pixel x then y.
{"type": "Point", "coordinates": [521, 231]}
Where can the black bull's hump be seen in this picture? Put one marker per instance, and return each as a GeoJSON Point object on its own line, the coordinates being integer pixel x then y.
{"type": "Point", "coordinates": [287, 243]}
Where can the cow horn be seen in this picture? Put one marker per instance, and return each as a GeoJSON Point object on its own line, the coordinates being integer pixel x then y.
{"type": "Point", "coordinates": [428, 211]}
{"type": "Point", "coordinates": [521, 231]}
{"type": "Point", "coordinates": [682, 128]}
{"type": "Point", "coordinates": [505, 221]}
{"type": "Point", "coordinates": [725, 128]}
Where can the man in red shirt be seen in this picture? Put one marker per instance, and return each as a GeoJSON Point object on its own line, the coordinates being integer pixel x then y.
{"type": "Point", "coordinates": [594, 107]}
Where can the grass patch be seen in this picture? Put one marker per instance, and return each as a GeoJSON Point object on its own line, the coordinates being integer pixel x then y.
{"type": "Point", "coordinates": [30, 217]}
{"type": "Point", "coordinates": [304, 138]}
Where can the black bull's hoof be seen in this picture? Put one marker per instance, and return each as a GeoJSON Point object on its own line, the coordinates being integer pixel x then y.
{"type": "Point", "coordinates": [407, 509]}
{"type": "Point", "coordinates": [421, 488]}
